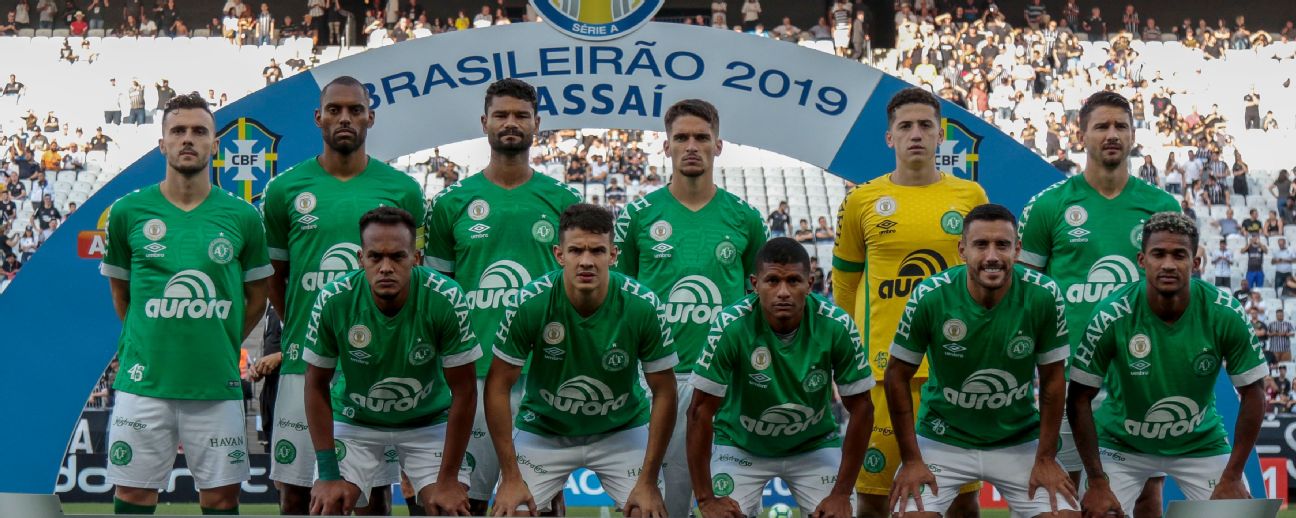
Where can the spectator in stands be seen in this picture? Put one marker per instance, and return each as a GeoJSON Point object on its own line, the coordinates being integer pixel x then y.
{"type": "Point", "coordinates": [1260, 328]}
{"type": "Point", "coordinates": [1214, 193]}
{"type": "Point", "coordinates": [113, 103]}
{"type": "Point", "coordinates": [166, 16]}
{"type": "Point", "coordinates": [148, 28]}
{"type": "Point", "coordinates": [615, 192]}
{"type": "Point", "coordinates": [462, 22]}
{"type": "Point", "coordinates": [1254, 303]}
{"type": "Point", "coordinates": [1281, 189]}
{"type": "Point", "coordinates": [1033, 12]}
{"type": "Point", "coordinates": [179, 29]}
{"type": "Point", "coordinates": [99, 142]}
{"type": "Point", "coordinates": [719, 14]}
{"type": "Point", "coordinates": [96, 10]}
{"type": "Point", "coordinates": [1192, 168]}
{"type": "Point", "coordinates": [1130, 20]}
{"type": "Point", "coordinates": [575, 170]}
{"type": "Point", "coordinates": [51, 160]}
{"type": "Point", "coordinates": [40, 187]}
{"type": "Point", "coordinates": [136, 95]}
{"type": "Point", "coordinates": [779, 221]}
{"type": "Point", "coordinates": [1241, 187]}
{"type": "Point", "coordinates": [787, 31]}
{"type": "Point", "coordinates": [1273, 225]}
{"type": "Point", "coordinates": [1150, 31]}
{"type": "Point", "coordinates": [1148, 171]}
{"type": "Point", "coordinates": [46, 9]}
{"type": "Point", "coordinates": [1095, 27]}
{"type": "Point", "coordinates": [47, 213]}
{"type": "Point", "coordinates": [73, 159]}
{"type": "Point", "coordinates": [11, 263]}
{"type": "Point", "coordinates": [8, 209]}
{"type": "Point", "coordinates": [14, 88]}
{"type": "Point", "coordinates": [1252, 226]}
{"type": "Point", "coordinates": [265, 26]}
{"type": "Point", "coordinates": [483, 19]}
{"type": "Point", "coordinates": [1223, 261]}
{"type": "Point", "coordinates": [1280, 333]}
{"type": "Point", "coordinates": [817, 284]}
{"type": "Point", "coordinates": [272, 73]}
{"type": "Point", "coordinates": [824, 232]}
{"type": "Point", "coordinates": [751, 10]}
{"type": "Point", "coordinates": [79, 26]}
{"type": "Point", "coordinates": [1255, 251]}
{"type": "Point", "coordinates": [804, 233]}
{"type": "Point", "coordinates": [27, 245]}
{"type": "Point", "coordinates": [129, 28]}
{"type": "Point", "coordinates": [1283, 259]}
{"type": "Point", "coordinates": [860, 37]}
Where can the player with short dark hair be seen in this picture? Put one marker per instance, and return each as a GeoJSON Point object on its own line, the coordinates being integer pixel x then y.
{"type": "Point", "coordinates": [899, 228]}
{"type": "Point", "coordinates": [397, 335]}
{"type": "Point", "coordinates": [695, 244]}
{"type": "Point", "coordinates": [187, 264]}
{"type": "Point", "coordinates": [586, 332]}
{"type": "Point", "coordinates": [310, 212]}
{"type": "Point", "coordinates": [494, 232]}
{"type": "Point", "coordinates": [763, 393]}
{"type": "Point", "coordinates": [985, 328]}
{"type": "Point", "coordinates": [1157, 345]}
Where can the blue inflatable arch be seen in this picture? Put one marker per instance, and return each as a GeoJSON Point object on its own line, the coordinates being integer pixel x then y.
{"type": "Point", "coordinates": [799, 102]}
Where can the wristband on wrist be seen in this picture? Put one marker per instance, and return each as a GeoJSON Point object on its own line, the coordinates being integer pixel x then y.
{"type": "Point", "coordinates": [327, 462]}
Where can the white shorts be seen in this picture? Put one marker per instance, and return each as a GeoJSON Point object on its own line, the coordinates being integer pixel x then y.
{"type": "Point", "coordinates": [290, 440]}
{"type": "Point", "coordinates": [1067, 454]}
{"type": "Point", "coordinates": [1128, 472]}
{"type": "Point", "coordinates": [678, 488]}
{"type": "Point", "coordinates": [547, 462]}
{"type": "Point", "coordinates": [841, 38]}
{"type": "Point", "coordinates": [480, 456]}
{"type": "Point", "coordinates": [145, 431]}
{"type": "Point", "coordinates": [739, 475]}
{"type": "Point", "coordinates": [1008, 469]}
{"type": "Point", "coordinates": [369, 457]}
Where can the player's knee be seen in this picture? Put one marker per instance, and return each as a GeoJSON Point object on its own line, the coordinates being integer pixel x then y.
{"type": "Point", "coordinates": [223, 497]}
{"type": "Point", "coordinates": [478, 507]}
{"type": "Point", "coordinates": [137, 495]}
{"type": "Point", "coordinates": [872, 506]}
{"type": "Point", "coordinates": [965, 505]}
{"type": "Point", "coordinates": [293, 499]}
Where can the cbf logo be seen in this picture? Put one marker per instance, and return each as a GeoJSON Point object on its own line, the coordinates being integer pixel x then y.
{"type": "Point", "coordinates": [959, 154]}
{"type": "Point", "coordinates": [597, 20]}
{"type": "Point", "coordinates": [246, 159]}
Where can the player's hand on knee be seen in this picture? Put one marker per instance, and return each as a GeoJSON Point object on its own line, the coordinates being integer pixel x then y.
{"type": "Point", "coordinates": [1049, 476]}
{"type": "Point", "coordinates": [1230, 488]}
{"type": "Point", "coordinates": [720, 507]}
{"type": "Point", "coordinates": [834, 506]}
{"type": "Point", "coordinates": [645, 501]}
{"type": "Point", "coordinates": [446, 499]}
{"type": "Point", "coordinates": [510, 496]}
{"type": "Point", "coordinates": [908, 484]}
{"type": "Point", "coordinates": [1099, 501]}
{"type": "Point", "coordinates": [333, 497]}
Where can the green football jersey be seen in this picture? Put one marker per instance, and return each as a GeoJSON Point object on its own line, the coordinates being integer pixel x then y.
{"type": "Point", "coordinates": [389, 378]}
{"type": "Point", "coordinates": [494, 241]}
{"type": "Point", "coordinates": [184, 325]}
{"type": "Point", "coordinates": [700, 260]}
{"type": "Point", "coordinates": [1087, 243]}
{"type": "Point", "coordinates": [312, 220]}
{"type": "Point", "coordinates": [1161, 377]}
{"type": "Point", "coordinates": [584, 376]}
{"type": "Point", "coordinates": [777, 395]}
{"type": "Point", "coordinates": [981, 360]}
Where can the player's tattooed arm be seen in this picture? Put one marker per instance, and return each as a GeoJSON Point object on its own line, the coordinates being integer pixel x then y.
{"type": "Point", "coordinates": [701, 431]}
{"type": "Point", "coordinates": [1247, 429]}
{"type": "Point", "coordinates": [1098, 498]}
{"type": "Point", "coordinates": [913, 473]}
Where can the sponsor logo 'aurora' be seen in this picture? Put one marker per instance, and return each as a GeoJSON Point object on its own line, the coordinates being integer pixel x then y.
{"type": "Point", "coordinates": [987, 388]}
{"type": "Point", "coordinates": [188, 294]}
{"type": "Point", "coordinates": [1170, 417]}
{"type": "Point", "coordinates": [584, 395]}
{"type": "Point", "coordinates": [337, 261]}
{"type": "Point", "coordinates": [782, 420]}
{"type": "Point", "coordinates": [498, 285]}
{"type": "Point", "coordinates": [695, 299]}
{"type": "Point", "coordinates": [915, 267]}
{"type": "Point", "coordinates": [597, 20]}
{"type": "Point", "coordinates": [1105, 276]}
{"type": "Point", "coordinates": [393, 394]}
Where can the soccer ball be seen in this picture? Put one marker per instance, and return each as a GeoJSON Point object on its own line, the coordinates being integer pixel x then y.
{"type": "Point", "coordinates": [779, 511]}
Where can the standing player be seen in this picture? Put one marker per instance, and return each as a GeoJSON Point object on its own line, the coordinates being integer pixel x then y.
{"type": "Point", "coordinates": [1084, 233]}
{"type": "Point", "coordinates": [985, 328]}
{"type": "Point", "coordinates": [587, 332]}
{"type": "Point", "coordinates": [399, 334]}
{"type": "Point", "coordinates": [493, 232]}
{"type": "Point", "coordinates": [187, 265]}
{"type": "Point", "coordinates": [766, 381]}
{"type": "Point", "coordinates": [901, 228]}
{"type": "Point", "coordinates": [697, 244]}
{"type": "Point", "coordinates": [311, 212]}
{"type": "Point", "coordinates": [1157, 346]}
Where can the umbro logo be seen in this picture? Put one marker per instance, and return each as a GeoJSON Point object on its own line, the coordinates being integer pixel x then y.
{"type": "Point", "coordinates": [308, 221]}
{"type": "Point", "coordinates": [360, 356]}
{"type": "Point", "coordinates": [887, 226]}
{"type": "Point", "coordinates": [479, 230]}
{"type": "Point", "coordinates": [954, 350]}
{"type": "Point", "coordinates": [1078, 233]}
{"type": "Point", "coordinates": [155, 248]}
{"type": "Point", "coordinates": [554, 353]}
{"type": "Point", "coordinates": [760, 378]}
{"type": "Point", "coordinates": [662, 249]}
{"type": "Point", "coordinates": [1141, 365]}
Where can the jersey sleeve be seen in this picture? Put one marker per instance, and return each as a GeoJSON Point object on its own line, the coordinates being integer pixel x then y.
{"type": "Point", "coordinates": [1095, 352]}
{"type": "Point", "coordinates": [656, 346]}
{"type": "Point", "coordinates": [623, 236]}
{"type": "Point", "coordinates": [848, 250]}
{"type": "Point", "coordinates": [913, 334]}
{"type": "Point", "coordinates": [117, 257]}
{"type": "Point", "coordinates": [254, 257]}
{"type": "Point", "coordinates": [1037, 232]}
{"type": "Point", "coordinates": [457, 343]}
{"type": "Point", "coordinates": [274, 214]}
{"type": "Point", "coordinates": [851, 369]}
{"type": "Point", "coordinates": [321, 345]}
{"type": "Point", "coordinates": [412, 201]}
{"type": "Point", "coordinates": [1244, 361]}
{"type": "Point", "coordinates": [714, 366]}
{"type": "Point", "coordinates": [517, 332]}
{"type": "Point", "coordinates": [438, 249]}
{"type": "Point", "coordinates": [757, 234]}
{"type": "Point", "coordinates": [1051, 332]}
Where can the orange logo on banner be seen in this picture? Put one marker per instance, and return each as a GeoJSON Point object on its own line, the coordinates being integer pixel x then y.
{"type": "Point", "coordinates": [1274, 470]}
{"type": "Point", "coordinates": [91, 244]}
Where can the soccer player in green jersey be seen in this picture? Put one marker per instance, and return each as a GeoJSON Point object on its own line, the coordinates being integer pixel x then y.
{"type": "Point", "coordinates": [399, 335]}
{"type": "Point", "coordinates": [310, 213]}
{"type": "Point", "coordinates": [187, 265]}
{"type": "Point", "coordinates": [986, 328]}
{"type": "Point", "coordinates": [1084, 233]}
{"type": "Point", "coordinates": [494, 232]}
{"type": "Point", "coordinates": [695, 244]}
{"type": "Point", "coordinates": [587, 333]}
{"type": "Point", "coordinates": [764, 392]}
{"type": "Point", "coordinates": [1157, 346]}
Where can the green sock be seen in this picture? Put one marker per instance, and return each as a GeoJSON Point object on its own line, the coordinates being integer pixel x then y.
{"type": "Point", "coordinates": [221, 512]}
{"type": "Point", "coordinates": [123, 507]}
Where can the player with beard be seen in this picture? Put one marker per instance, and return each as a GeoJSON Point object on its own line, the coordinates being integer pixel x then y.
{"type": "Point", "coordinates": [695, 244]}
{"type": "Point", "coordinates": [1157, 345]}
{"type": "Point", "coordinates": [493, 233]}
{"type": "Point", "coordinates": [311, 212]}
{"type": "Point", "coordinates": [187, 266]}
{"type": "Point", "coordinates": [1085, 233]}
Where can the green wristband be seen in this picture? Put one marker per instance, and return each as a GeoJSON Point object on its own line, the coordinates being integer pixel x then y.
{"type": "Point", "coordinates": [328, 464]}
